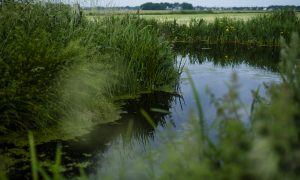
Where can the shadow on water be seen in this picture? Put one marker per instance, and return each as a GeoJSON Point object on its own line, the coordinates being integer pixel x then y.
{"type": "Point", "coordinates": [84, 151]}
{"type": "Point", "coordinates": [162, 107]}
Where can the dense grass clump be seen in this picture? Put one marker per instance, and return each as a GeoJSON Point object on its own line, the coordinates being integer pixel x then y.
{"type": "Point", "coordinates": [144, 60]}
{"type": "Point", "coordinates": [37, 42]}
{"type": "Point", "coordinates": [54, 64]}
{"type": "Point", "coordinates": [262, 30]}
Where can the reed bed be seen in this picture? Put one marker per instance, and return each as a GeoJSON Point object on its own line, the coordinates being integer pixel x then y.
{"type": "Point", "coordinates": [56, 64]}
{"type": "Point", "coordinates": [263, 30]}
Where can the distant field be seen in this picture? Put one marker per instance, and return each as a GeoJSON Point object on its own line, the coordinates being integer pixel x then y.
{"type": "Point", "coordinates": [185, 18]}
{"type": "Point", "coordinates": [182, 17]}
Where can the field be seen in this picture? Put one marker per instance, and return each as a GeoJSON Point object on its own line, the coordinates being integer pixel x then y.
{"type": "Point", "coordinates": [210, 17]}
{"type": "Point", "coordinates": [182, 17]}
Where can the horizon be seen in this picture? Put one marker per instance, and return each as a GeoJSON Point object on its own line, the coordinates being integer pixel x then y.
{"type": "Point", "coordinates": [204, 3]}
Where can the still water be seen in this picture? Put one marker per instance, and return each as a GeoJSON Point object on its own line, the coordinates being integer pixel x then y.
{"type": "Point", "coordinates": [211, 67]}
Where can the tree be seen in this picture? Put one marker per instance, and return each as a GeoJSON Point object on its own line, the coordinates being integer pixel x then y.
{"type": "Point", "coordinates": [187, 6]}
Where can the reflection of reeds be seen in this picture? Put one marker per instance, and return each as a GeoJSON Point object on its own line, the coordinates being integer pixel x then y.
{"type": "Point", "coordinates": [236, 151]}
{"type": "Point", "coordinates": [260, 57]}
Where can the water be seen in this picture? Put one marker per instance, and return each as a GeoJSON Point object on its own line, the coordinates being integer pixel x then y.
{"type": "Point", "coordinates": [210, 67]}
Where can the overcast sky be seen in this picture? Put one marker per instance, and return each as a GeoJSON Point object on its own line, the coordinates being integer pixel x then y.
{"type": "Point", "coordinates": [208, 3]}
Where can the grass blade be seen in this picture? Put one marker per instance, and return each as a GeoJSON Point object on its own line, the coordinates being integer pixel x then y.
{"type": "Point", "coordinates": [33, 159]}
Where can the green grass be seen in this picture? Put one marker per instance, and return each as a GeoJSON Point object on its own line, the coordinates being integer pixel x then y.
{"type": "Point", "coordinates": [224, 27]}
{"type": "Point", "coordinates": [60, 69]}
{"type": "Point", "coordinates": [185, 18]}
{"type": "Point", "coordinates": [181, 17]}
{"type": "Point", "coordinates": [61, 72]}
{"type": "Point", "coordinates": [262, 30]}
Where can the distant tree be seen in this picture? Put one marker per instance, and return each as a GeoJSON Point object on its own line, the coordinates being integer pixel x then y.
{"type": "Point", "coordinates": [163, 6]}
{"type": "Point", "coordinates": [187, 6]}
{"type": "Point", "coordinates": [152, 6]}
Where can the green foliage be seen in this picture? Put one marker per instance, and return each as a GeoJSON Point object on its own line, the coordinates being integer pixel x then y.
{"type": "Point", "coordinates": [165, 6]}
{"type": "Point", "coordinates": [262, 30]}
{"type": "Point", "coordinates": [57, 68]}
{"type": "Point", "coordinates": [38, 168]}
{"type": "Point", "coordinates": [144, 60]}
{"type": "Point", "coordinates": [35, 47]}
{"type": "Point", "coordinates": [267, 149]}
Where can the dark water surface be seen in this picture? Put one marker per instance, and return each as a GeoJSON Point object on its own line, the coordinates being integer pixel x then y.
{"type": "Point", "coordinates": [210, 67]}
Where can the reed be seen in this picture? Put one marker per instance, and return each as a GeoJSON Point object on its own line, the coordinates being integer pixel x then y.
{"type": "Point", "coordinates": [56, 65]}
{"type": "Point", "coordinates": [263, 30]}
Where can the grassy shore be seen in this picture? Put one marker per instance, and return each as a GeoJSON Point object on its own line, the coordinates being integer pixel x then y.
{"type": "Point", "coordinates": [185, 18]}
{"type": "Point", "coordinates": [182, 17]}
{"type": "Point", "coordinates": [57, 66]}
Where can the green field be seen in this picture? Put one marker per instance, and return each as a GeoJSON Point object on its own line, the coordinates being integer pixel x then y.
{"type": "Point", "coordinates": [182, 18]}
{"type": "Point", "coordinates": [185, 18]}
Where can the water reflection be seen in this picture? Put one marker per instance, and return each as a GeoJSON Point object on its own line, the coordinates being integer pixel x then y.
{"type": "Point", "coordinates": [211, 68]}
{"type": "Point", "coordinates": [84, 151]}
{"type": "Point", "coordinates": [266, 58]}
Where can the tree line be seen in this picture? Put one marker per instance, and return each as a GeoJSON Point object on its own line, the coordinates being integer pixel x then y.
{"type": "Point", "coordinates": [166, 6]}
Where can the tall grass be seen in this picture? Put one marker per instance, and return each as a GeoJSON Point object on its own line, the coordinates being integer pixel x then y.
{"type": "Point", "coordinates": [35, 46]}
{"type": "Point", "coordinates": [264, 30]}
{"type": "Point", "coordinates": [57, 67]}
{"type": "Point", "coordinates": [144, 60]}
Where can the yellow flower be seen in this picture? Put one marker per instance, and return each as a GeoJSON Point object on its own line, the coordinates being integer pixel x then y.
{"type": "Point", "coordinates": [227, 30]}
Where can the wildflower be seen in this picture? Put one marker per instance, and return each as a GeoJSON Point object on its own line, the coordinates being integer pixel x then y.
{"type": "Point", "coordinates": [227, 30]}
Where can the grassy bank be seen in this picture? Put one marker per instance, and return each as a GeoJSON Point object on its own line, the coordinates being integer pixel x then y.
{"type": "Point", "coordinates": [258, 29]}
{"type": "Point", "coordinates": [57, 67]}
{"type": "Point", "coordinates": [264, 30]}
{"type": "Point", "coordinates": [182, 17]}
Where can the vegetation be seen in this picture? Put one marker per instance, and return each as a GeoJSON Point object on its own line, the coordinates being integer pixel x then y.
{"type": "Point", "coordinates": [59, 69]}
{"type": "Point", "coordinates": [56, 65]}
{"type": "Point", "coordinates": [226, 30]}
{"type": "Point", "coordinates": [168, 6]}
{"type": "Point", "coordinates": [237, 151]}
{"type": "Point", "coordinates": [237, 28]}
{"type": "Point", "coordinates": [35, 47]}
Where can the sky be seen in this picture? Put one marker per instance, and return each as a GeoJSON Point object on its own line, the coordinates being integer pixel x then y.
{"type": "Point", "coordinates": [207, 3]}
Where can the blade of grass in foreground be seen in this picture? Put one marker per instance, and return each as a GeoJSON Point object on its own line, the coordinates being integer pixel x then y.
{"type": "Point", "coordinates": [197, 98]}
{"type": "Point", "coordinates": [56, 167]}
{"type": "Point", "coordinates": [200, 113]}
{"type": "Point", "coordinates": [33, 159]}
